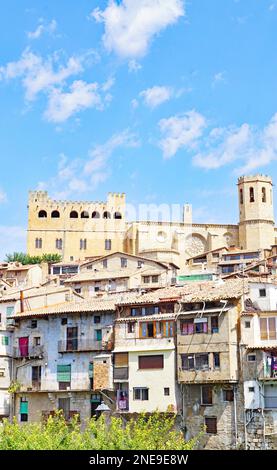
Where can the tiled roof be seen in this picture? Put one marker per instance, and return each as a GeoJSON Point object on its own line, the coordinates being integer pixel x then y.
{"type": "Point", "coordinates": [159, 316]}
{"type": "Point", "coordinates": [105, 274]}
{"type": "Point", "coordinates": [14, 293]}
{"type": "Point", "coordinates": [193, 292]}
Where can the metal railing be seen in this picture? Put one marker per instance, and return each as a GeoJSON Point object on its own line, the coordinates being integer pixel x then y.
{"type": "Point", "coordinates": [84, 344]}
{"type": "Point", "coordinates": [28, 352]}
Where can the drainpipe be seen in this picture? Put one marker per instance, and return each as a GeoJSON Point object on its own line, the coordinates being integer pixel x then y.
{"type": "Point", "coordinates": [235, 415]}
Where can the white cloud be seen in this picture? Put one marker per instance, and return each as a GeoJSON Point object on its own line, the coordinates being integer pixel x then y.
{"type": "Point", "coordinates": [218, 78]}
{"type": "Point", "coordinates": [83, 175]}
{"type": "Point", "coordinates": [181, 131]}
{"type": "Point", "coordinates": [156, 95]}
{"type": "Point", "coordinates": [3, 196]}
{"type": "Point", "coordinates": [246, 145]}
{"type": "Point", "coordinates": [42, 28]}
{"type": "Point", "coordinates": [82, 95]}
{"type": "Point", "coordinates": [131, 25]}
{"type": "Point", "coordinates": [38, 74]}
{"type": "Point", "coordinates": [134, 66]}
{"type": "Point", "coordinates": [13, 238]}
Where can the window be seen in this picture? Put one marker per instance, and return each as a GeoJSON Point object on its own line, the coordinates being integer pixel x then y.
{"type": "Point", "coordinates": [83, 244]}
{"type": "Point", "coordinates": [64, 406]}
{"type": "Point", "coordinates": [228, 395]}
{"type": "Point", "coordinates": [117, 215]}
{"type": "Point", "coordinates": [55, 215]}
{"type": "Point", "coordinates": [97, 319]}
{"type": "Point", "coordinates": [211, 425]}
{"type": "Point", "coordinates": [214, 324]}
{"type": "Point", "coordinates": [38, 243]}
{"type": "Point", "coordinates": [108, 244]}
{"type": "Point", "coordinates": [64, 321]}
{"type": "Point", "coordinates": [64, 376]}
{"type": "Point", "coordinates": [201, 361]}
{"type": "Point", "coordinates": [42, 214]}
{"type": "Point", "coordinates": [59, 244]}
{"type": "Point", "coordinates": [241, 196]}
{"type": "Point", "coordinates": [251, 389]}
{"type": "Point", "coordinates": [166, 391]}
{"type": "Point", "coordinates": [206, 395]}
{"type": "Point", "coordinates": [251, 195]}
{"type": "Point", "coordinates": [263, 195]}
{"type": "Point", "coordinates": [216, 360]}
{"type": "Point", "coordinates": [37, 341]}
{"type": "Point", "coordinates": [9, 311]}
{"type": "Point", "coordinates": [98, 335]}
{"type": "Point", "coordinates": [141, 393]}
{"type": "Point", "coordinates": [140, 264]}
{"type": "Point", "coordinates": [146, 279]}
{"type": "Point", "coordinates": [73, 215]}
{"type": "Point", "coordinates": [247, 324]}
{"type": "Point", "coordinates": [268, 328]}
{"type": "Point", "coordinates": [5, 341]}
{"type": "Point", "coordinates": [187, 327]}
{"type": "Point", "coordinates": [147, 330]}
{"type": "Point", "coordinates": [23, 410]}
{"type": "Point", "coordinates": [201, 326]}
{"type": "Point", "coordinates": [105, 263]}
{"type": "Point", "coordinates": [151, 362]}
{"type": "Point", "coordinates": [36, 373]}
{"type": "Point", "coordinates": [262, 292]}
{"type": "Point", "coordinates": [56, 270]}
{"type": "Point", "coordinates": [251, 358]}
{"type": "Point", "coordinates": [131, 327]}
{"type": "Point", "coordinates": [124, 262]}
{"type": "Point", "coordinates": [135, 311]}
{"type": "Point", "coordinates": [34, 324]}
{"type": "Point", "coordinates": [72, 338]}
{"type": "Point", "coordinates": [187, 361]}
{"type": "Point", "coordinates": [106, 215]}
{"type": "Point", "coordinates": [155, 279]}
{"type": "Point", "coordinates": [195, 361]}
{"type": "Point", "coordinates": [84, 215]}
{"type": "Point", "coordinates": [95, 215]}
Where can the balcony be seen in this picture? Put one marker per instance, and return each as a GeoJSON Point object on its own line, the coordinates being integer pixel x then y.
{"type": "Point", "coordinates": [84, 345]}
{"type": "Point", "coordinates": [35, 352]}
{"type": "Point", "coordinates": [121, 373]}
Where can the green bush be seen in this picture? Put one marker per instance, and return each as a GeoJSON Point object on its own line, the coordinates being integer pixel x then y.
{"type": "Point", "coordinates": [143, 433]}
{"type": "Point", "coordinates": [24, 258]}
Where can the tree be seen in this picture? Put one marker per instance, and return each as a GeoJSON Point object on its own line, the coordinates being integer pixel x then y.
{"type": "Point", "coordinates": [154, 432]}
{"type": "Point", "coordinates": [24, 258]}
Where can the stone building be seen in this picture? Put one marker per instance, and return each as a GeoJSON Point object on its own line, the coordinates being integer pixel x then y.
{"type": "Point", "coordinates": [77, 230]}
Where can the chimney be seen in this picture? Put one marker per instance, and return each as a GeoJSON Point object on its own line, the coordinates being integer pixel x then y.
{"type": "Point", "coordinates": [21, 301]}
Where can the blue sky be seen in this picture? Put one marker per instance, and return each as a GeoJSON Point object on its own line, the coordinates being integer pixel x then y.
{"type": "Point", "coordinates": [166, 100]}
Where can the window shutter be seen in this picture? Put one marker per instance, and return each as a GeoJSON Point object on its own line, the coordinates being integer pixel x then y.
{"type": "Point", "coordinates": [90, 370]}
{"type": "Point", "coordinates": [23, 407]}
{"type": "Point", "coordinates": [211, 425]}
{"type": "Point", "coordinates": [151, 362]}
{"type": "Point", "coordinates": [64, 373]}
{"type": "Point", "coordinates": [121, 359]}
{"type": "Point", "coordinates": [263, 328]}
{"type": "Point", "coordinates": [272, 328]}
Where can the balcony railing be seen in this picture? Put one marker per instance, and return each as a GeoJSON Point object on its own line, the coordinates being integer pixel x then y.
{"type": "Point", "coordinates": [28, 353]}
{"type": "Point", "coordinates": [84, 344]}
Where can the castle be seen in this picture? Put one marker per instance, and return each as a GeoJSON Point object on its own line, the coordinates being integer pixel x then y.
{"type": "Point", "coordinates": [78, 230]}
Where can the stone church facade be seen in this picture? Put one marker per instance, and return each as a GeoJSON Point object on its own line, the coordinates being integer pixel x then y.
{"type": "Point", "coordinates": [78, 230]}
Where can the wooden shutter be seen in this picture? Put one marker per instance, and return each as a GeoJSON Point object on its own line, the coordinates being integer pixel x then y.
{"type": "Point", "coordinates": [23, 407]}
{"type": "Point", "coordinates": [121, 359]}
{"type": "Point", "coordinates": [64, 373]}
{"type": "Point", "coordinates": [272, 328]}
{"type": "Point", "coordinates": [263, 328]}
{"type": "Point", "coordinates": [151, 362]}
{"type": "Point", "coordinates": [211, 425]}
{"type": "Point", "coordinates": [207, 395]}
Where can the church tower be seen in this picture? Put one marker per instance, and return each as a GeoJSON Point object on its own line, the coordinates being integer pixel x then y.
{"type": "Point", "coordinates": [256, 216]}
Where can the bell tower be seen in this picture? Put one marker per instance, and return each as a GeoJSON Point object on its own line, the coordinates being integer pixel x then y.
{"type": "Point", "coordinates": [256, 216]}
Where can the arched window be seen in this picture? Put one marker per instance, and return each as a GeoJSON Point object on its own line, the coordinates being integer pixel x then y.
{"type": "Point", "coordinates": [42, 214]}
{"type": "Point", "coordinates": [117, 215]}
{"type": "Point", "coordinates": [38, 243]}
{"type": "Point", "coordinates": [59, 244]}
{"type": "Point", "coordinates": [241, 196]}
{"type": "Point", "coordinates": [55, 215]}
{"type": "Point", "coordinates": [263, 195]}
{"type": "Point", "coordinates": [84, 215]}
{"type": "Point", "coordinates": [83, 244]}
{"type": "Point", "coordinates": [106, 215]}
{"type": "Point", "coordinates": [95, 215]}
{"type": "Point", "coordinates": [74, 215]}
{"type": "Point", "coordinates": [251, 194]}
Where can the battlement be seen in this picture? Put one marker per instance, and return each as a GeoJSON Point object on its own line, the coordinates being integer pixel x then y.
{"type": "Point", "coordinates": [42, 197]}
{"type": "Point", "coordinates": [259, 178]}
